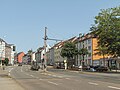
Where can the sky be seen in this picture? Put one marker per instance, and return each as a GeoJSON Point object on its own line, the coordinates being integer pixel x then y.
{"type": "Point", "coordinates": [22, 22]}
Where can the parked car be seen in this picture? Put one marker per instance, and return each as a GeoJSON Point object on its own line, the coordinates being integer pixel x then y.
{"type": "Point", "coordinates": [20, 64]}
{"type": "Point", "coordinates": [92, 69]}
{"type": "Point", "coordinates": [35, 66]}
{"type": "Point", "coordinates": [98, 68]}
{"type": "Point", "coordinates": [101, 69]}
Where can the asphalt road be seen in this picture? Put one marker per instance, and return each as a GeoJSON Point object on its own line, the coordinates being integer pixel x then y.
{"type": "Point", "coordinates": [63, 80]}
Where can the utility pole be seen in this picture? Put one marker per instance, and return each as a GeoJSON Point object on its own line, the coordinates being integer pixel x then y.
{"type": "Point", "coordinates": [45, 45]}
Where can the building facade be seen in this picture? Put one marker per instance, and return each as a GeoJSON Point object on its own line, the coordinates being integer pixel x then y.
{"type": "Point", "coordinates": [8, 52]}
{"type": "Point", "coordinates": [20, 57]}
{"type": "Point", "coordinates": [2, 50]}
{"type": "Point", "coordinates": [89, 42]}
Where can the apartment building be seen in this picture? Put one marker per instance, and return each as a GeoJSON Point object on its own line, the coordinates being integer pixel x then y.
{"type": "Point", "coordinates": [38, 54]}
{"type": "Point", "coordinates": [2, 49]}
{"type": "Point", "coordinates": [58, 59]}
{"type": "Point", "coordinates": [89, 41]}
{"type": "Point", "coordinates": [20, 57]}
{"type": "Point", "coordinates": [8, 52]}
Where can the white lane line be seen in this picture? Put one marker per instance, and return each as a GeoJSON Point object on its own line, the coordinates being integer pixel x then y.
{"type": "Point", "coordinates": [67, 78]}
{"type": "Point", "coordinates": [49, 74]}
{"type": "Point", "coordinates": [21, 69]}
{"type": "Point", "coordinates": [114, 87]}
{"type": "Point", "coordinates": [45, 73]}
{"type": "Point", "coordinates": [52, 83]}
{"type": "Point", "coordinates": [60, 76]}
{"type": "Point", "coordinates": [8, 74]}
{"type": "Point", "coordinates": [92, 83]}
{"type": "Point", "coordinates": [54, 75]}
{"type": "Point", "coordinates": [31, 75]}
{"type": "Point", "coordinates": [10, 70]}
{"type": "Point", "coordinates": [40, 79]}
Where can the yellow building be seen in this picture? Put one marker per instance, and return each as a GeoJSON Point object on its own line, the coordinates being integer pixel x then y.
{"type": "Point", "coordinates": [90, 42]}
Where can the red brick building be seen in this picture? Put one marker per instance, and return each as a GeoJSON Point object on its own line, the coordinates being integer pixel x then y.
{"type": "Point", "coordinates": [20, 57]}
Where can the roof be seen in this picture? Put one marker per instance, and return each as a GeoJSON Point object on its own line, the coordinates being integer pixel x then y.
{"type": "Point", "coordinates": [2, 40]}
{"type": "Point", "coordinates": [19, 53]}
{"type": "Point", "coordinates": [86, 36]}
{"type": "Point", "coordinates": [60, 44]}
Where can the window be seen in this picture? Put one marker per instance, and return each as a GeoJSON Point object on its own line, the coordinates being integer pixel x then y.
{"type": "Point", "coordinates": [89, 55]}
{"type": "Point", "coordinates": [89, 48]}
{"type": "Point", "coordinates": [89, 41]}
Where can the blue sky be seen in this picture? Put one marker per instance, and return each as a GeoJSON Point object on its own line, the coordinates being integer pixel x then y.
{"type": "Point", "coordinates": [22, 22]}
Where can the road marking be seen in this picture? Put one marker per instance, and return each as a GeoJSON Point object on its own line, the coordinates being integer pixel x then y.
{"type": "Point", "coordinates": [9, 74]}
{"type": "Point", "coordinates": [49, 74]}
{"type": "Point", "coordinates": [67, 78]}
{"type": "Point", "coordinates": [54, 75]}
{"type": "Point", "coordinates": [21, 69]}
{"type": "Point", "coordinates": [114, 87]}
{"type": "Point", "coordinates": [40, 79]}
{"type": "Point", "coordinates": [10, 70]}
{"type": "Point", "coordinates": [92, 83]}
{"type": "Point", "coordinates": [45, 73]}
{"type": "Point", "coordinates": [52, 83]}
{"type": "Point", "coordinates": [31, 75]}
{"type": "Point", "coordinates": [60, 76]}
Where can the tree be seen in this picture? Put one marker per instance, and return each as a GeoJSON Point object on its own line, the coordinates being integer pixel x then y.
{"type": "Point", "coordinates": [69, 50]}
{"type": "Point", "coordinates": [6, 61]}
{"type": "Point", "coordinates": [30, 52]}
{"type": "Point", "coordinates": [101, 51]}
{"type": "Point", "coordinates": [83, 52]}
{"type": "Point", "coordinates": [107, 30]}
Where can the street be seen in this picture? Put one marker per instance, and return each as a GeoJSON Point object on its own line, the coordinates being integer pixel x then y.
{"type": "Point", "coordinates": [62, 80]}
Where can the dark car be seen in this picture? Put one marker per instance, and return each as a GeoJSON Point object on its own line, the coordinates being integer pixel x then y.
{"type": "Point", "coordinates": [101, 69]}
{"type": "Point", "coordinates": [20, 64]}
{"type": "Point", "coordinates": [35, 66]}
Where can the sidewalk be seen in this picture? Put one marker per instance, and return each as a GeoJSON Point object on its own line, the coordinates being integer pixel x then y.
{"type": "Point", "coordinates": [7, 83]}
{"type": "Point", "coordinates": [108, 73]}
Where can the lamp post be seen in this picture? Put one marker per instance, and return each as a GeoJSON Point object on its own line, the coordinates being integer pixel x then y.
{"type": "Point", "coordinates": [45, 44]}
{"type": "Point", "coordinates": [79, 46]}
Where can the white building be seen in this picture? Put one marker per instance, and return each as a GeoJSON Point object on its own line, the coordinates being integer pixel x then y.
{"type": "Point", "coordinates": [33, 56]}
{"type": "Point", "coordinates": [43, 52]}
{"type": "Point", "coordinates": [7, 51]}
{"type": "Point", "coordinates": [2, 49]}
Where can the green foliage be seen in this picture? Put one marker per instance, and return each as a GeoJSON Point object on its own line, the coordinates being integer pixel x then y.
{"type": "Point", "coordinates": [6, 61]}
{"type": "Point", "coordinates": [107, 30]}
{"type": "Point", "coordinates": [83, 51]}
{"type": "Point", "coordinates": [101, 51]}
{"type": "Point", "coordinates": [69, 50]}
{"type": "Point", "coordinates": [30, 52]}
